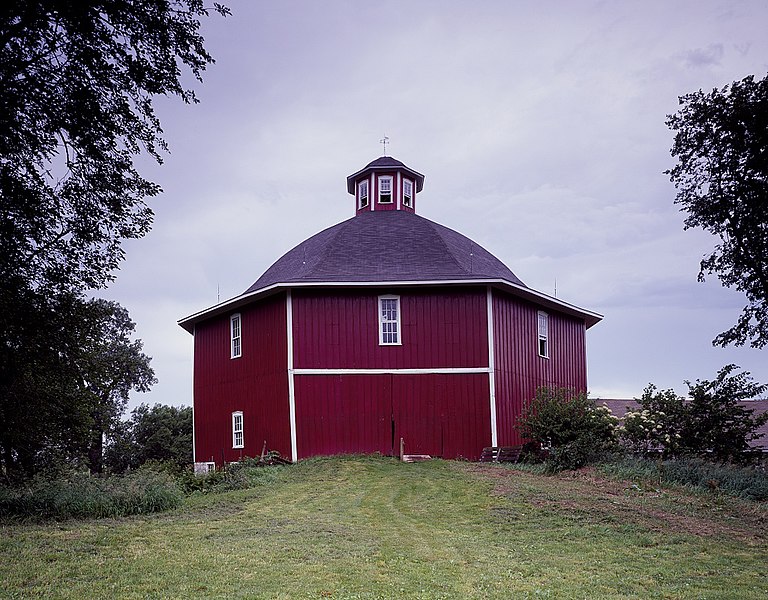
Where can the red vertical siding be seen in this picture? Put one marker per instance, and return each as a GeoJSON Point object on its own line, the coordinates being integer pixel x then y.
{"type": "Point", "coordinates": [443, 328]}
{"type": "Point", "coordinates": [519, 370]}
{"type": "Point", "coordinates": [256, 383]}
{"type": "Point", "coordinates": [440, 415]}
{"type": "Point", "coordinates": [343, 414]}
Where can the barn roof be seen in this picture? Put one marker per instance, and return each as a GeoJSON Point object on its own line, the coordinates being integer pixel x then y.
{"type": "Point", "coordinates": [384, 247]}
{"type": "Point", "coordinates": [392, 248]}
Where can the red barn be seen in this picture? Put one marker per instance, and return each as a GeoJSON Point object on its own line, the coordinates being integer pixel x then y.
{"type": "Point", "coordinates": [385, 326]}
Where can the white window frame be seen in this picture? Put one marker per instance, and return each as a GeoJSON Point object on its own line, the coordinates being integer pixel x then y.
{"type": "Point", "coordinates": [238, 429]}
{"type": "Point", "coordinates": [382, 179]}
{"type": "Point", "coordinates": [542, 340]}
{"type": "Point", "coordinates": [408, 195]}
{"type": "Point", "coordinates": [393, 336]}
{"type": "Point", "coordinates": [235, 336]}
{"type": "Point", "coordinates": [362, 193]}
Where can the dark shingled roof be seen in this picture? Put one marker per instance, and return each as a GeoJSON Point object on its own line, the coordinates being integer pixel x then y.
{"type": "Point", "coordinates": [385, 161]}
{"type": "Point", "coordinates": [385, 246]}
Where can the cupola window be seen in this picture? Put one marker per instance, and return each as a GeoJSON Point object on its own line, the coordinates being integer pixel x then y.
{"type": "Point", "coordinates": [362, 194]}
{"type": "Point", "coordinates": [385, 189]}
{"type": "Point", "coordinates": [407, 193]}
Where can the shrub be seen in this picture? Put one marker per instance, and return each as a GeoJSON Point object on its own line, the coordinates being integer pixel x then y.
{"type": "Point", "coordinates": [576, 431]}
{"type": "Point", "coordinates": [245, 473]}
{"type": "Point", "coordinates": [80, 495]}
{"type": "Point", "coordinates": [712, 424]}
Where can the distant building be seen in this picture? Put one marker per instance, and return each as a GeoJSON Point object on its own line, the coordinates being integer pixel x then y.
{"type": "Point", "coordinates": [384, 327]}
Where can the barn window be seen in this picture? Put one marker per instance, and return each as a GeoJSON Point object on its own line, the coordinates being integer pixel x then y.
{"type": "Point", "coordinates": [236, 346]}
{"type": "Point", "coordinates": [237, 429]}
{"type": "Point", "coordinates": [389, 320]}
{"type": "Point", "coordinates": [362, 194]}
{"type": "Point", "coordinates": [543, 334]}
{"type": "Point", "coordinates": [385, 189]}
{"type": "Point", "coordinates": [407, 192]}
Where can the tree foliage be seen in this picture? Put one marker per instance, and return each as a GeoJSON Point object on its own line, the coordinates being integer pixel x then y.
{"type": "Point", "coordinates": [69, 385]}
{"type": "Point", "coordinates": [160, 433]}
{"type": "Point", "coordinates": [77, 85]}
{"type": "Point", "coordinates": [77, 82]}
{"type": "Point", "coordinates": [712, 423]}
{"type": "Point", "coordinates": [721, 143]}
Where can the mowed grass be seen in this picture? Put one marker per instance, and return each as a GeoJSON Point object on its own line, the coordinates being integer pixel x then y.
{"type": "Point", "coordinates": [372, 527]}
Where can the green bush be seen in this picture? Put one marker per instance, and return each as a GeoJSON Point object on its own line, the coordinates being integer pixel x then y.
{"type": "Point", "coordinates": [750, 483]}
{"type": "Point", "coordinates": [711, 423]}
{"type": "Point", "coordinates": [570, 425]}
{"type": "Point", "coordinates": [245, 473]}
{"type": "Point", "coordinates": [80, 495]}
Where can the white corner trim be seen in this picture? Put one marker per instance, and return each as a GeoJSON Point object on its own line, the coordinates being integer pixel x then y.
{"type": "Point", "coordinates": [371, 196]}
{"type": "Point", "coordinates": [491, 366]}
{"type": "Point", "coordinates": [291, 391]}
{"type": "Point", "coordinates": [194, 444]}
{"type": "Point", "coordinates": [399, 190]}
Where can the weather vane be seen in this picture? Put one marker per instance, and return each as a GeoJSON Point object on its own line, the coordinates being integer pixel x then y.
{"type": "Point", "coordinates": [384, 141]}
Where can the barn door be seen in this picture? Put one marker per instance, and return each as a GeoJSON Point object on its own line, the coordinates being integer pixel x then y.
{"type": "Point", "coordinates": [416, 414]}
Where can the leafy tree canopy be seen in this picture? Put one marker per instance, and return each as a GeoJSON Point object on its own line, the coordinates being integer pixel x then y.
{"type": "Point", "coordinates": [158, 433]}
{"type": "Point", "coordinates": [721, 143]}
{"type": "Point", "coordinates": [77, 85]}
{"type": "Point", "coordinates": [67, 383]}
{"type": "Point", "coordinates": [77, 81]}
{"type": "Point", "coordinates": [713, 422]}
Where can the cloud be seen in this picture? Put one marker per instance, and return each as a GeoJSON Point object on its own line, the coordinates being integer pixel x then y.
{"type": "Point", "coordinates": [710, 56]}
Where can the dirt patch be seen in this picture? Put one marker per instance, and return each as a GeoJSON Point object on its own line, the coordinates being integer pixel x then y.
{"type": "Point", "coordinates": [587, 495]}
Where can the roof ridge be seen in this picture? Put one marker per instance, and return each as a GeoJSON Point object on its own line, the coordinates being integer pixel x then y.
{"type": "Point", "coordinates": [433, 226]}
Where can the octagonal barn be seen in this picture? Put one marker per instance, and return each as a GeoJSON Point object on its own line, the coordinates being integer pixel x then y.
{"type": "Point", "coordinates": [387, 326]}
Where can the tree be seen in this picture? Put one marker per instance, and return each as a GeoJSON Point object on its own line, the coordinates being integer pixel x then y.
{"type": "Point", "coordinates": [713, 422]}
{"type": "Point", "coordinates": [160, 433]}
{"type": "Point", "coordinates": [77, 82]}
{"type": "Point", "coordinates": [70, 386]}
{"type": "Point", "coordinates": [721, 177]}
{"type": "Point", "coordinates": [77, 85]}
{"type": "Point", "coordinates": [112, 365]}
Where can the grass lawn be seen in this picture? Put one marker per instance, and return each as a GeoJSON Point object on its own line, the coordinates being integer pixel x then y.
{"type": "Point", "coordinates": [371, 527]}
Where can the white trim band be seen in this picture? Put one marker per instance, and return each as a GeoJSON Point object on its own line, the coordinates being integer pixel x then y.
{"type": "Point", "coordinates": [426, 371]}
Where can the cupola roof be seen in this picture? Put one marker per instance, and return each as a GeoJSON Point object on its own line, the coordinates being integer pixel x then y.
{"type": "Point", "coordinates": [385, 163]}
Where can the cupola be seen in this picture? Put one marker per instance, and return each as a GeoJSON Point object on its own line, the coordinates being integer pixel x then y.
{"type": "Point", "coordinates": [385, 184]}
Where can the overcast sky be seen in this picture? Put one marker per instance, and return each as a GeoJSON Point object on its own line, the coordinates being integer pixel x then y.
{"type": "Point", "coordinates": [539, 127]}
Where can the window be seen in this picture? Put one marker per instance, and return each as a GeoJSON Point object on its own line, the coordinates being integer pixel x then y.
{"type": "Point", "coordinates": [389, 320]}
{"type": "Point", "coordinates": [237, 429]}
{"type": "Point", "coordinates": [407, 192]}
{"type": "Point", "coordinates": [235, 329]}
{"type": "Point", "coordinates": [362, 194]}
{"type": "Point", "coordinates": [543, 334]}
{"type": "Point", "coordinates": [385, 189]}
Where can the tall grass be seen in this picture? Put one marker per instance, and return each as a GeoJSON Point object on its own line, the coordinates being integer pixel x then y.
{"type": "Point", "coordinates": [744, 482]}
{"type": "Point", "coordinates": [80, 495]}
